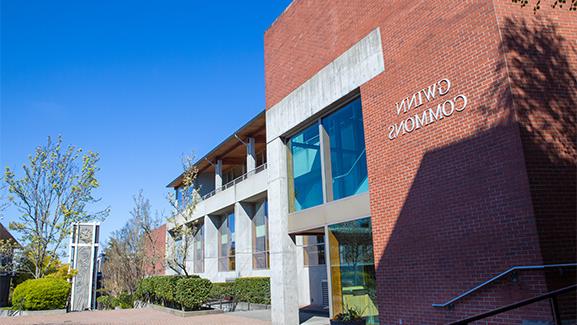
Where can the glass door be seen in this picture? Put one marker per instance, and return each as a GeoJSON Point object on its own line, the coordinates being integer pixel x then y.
{"type": "Point", "coordinates": [352, 268]}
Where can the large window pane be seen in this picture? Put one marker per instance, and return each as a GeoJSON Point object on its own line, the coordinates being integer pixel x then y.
{"type": "Point", "coordinates": [226, 239]}
{"type": "Point", "coordinates": [314, 250]}
{"type": "Point", "coordinates": [347, 146]}
{"type": "Point", "coordinates": [353, 268]}
{"type": "Point", "coordinates": [198, 241]}
{"type": "Point", "coordinates": [260, 236]}
{"type": "Point", "coordinates": [306, 169]}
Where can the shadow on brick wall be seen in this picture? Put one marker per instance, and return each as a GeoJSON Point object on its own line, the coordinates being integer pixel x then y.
{"type": "Point", "coordinates": [467, 216]}
{"type": "Point", "coordinates": [543, 84]}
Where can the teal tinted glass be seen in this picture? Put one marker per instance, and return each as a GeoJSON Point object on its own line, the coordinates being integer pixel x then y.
{"type": "Point", "coordinates": [347, 144]}
{"type": "Point", "coordinates": [306, 169]}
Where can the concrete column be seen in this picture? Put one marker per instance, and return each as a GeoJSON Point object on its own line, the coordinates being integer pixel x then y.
{"type": "Point", "coordinates": [218, 175]}
{"type": "Point", "coordinates": [284, 290]}
{"type": "Point", "coordinates": [250, 155]}
{"type": "Point", "coordinates": [211, 247]}
{"type": "Point", "coordinates": [243, 237]}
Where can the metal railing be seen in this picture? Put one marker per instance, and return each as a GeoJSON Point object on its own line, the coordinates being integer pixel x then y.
{"type": "Point", "coordinates": [235, 181]}
{"type": "Point", "coordinates": [549, 295]}
{"type": "Point", "coordinates": [500, 276]}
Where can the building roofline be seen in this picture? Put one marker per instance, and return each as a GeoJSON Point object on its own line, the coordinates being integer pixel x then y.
{"type": "Point", "coordinates": [232, 137]}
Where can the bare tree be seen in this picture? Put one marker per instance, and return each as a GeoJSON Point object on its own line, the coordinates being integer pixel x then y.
{"type": "Point", "coordinates": [181, 242]}
{"type": "Point", "coordinates": [126, 259]}
{"type": "Point", "coordinates": [54, 193]}
{"type": "Point", "coordinates": [147, 224]}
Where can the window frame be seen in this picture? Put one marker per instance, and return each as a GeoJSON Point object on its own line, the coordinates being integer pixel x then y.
{"type": "Point", "coordinates": [325, 151]}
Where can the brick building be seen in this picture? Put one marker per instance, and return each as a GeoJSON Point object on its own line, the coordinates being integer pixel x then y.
{"type": "Point", "coordinates": [414, 150]}
{"type": "Point", "coordinates": [462, 186]}
{"type": "Point", "coordinates": [155, 250]}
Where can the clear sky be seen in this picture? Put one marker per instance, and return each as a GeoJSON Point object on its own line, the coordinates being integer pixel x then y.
{"type": "Point", "coordinates": [140, 82]}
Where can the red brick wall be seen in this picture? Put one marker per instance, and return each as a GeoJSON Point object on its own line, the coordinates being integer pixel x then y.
{"type": "Point", "coordinates": [452, 204]}
{"type": "Point", "coordinates": [155, 250]}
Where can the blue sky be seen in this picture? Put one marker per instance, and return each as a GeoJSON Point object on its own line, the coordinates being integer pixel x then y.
{"type": "Point", "coordinates": [140, 82]}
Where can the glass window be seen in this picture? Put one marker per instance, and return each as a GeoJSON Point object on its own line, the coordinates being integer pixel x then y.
{"type": "Point", "coordinates": [306, 187]}
{"type": "Point", "coordinates": [226, 239]}
{"type": "Point", "coordinates": [260, 243]}
{"type": "Point", "coordinates": [347, 146]}
{"type": "Point", "coordinates": [178, 249]}
{"type": "Point", "coordinates": [353, 268]}
{"type": "Point", "coordinates": [178, 193]}
{"type": "Point", "coordinates": [198, 242]}
{"type": "Point", "coordinates": [183, 196]}
{"type": "Point", "coordinates": [314, 250]}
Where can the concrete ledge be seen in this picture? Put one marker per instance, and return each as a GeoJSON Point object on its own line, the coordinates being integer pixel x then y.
{"type": "Point", "coordinates": [181, 313]}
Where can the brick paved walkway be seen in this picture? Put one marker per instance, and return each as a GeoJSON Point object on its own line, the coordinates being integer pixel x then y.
{"type": "Point", "coordinates": [134, 316]}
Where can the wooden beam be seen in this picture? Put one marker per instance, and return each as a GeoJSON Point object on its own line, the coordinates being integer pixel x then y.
{"type": "Point", "coordinates": [233, 161]}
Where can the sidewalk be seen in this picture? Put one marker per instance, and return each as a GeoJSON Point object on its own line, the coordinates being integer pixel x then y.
{"type": "Point", "coordinates": [141, 316]}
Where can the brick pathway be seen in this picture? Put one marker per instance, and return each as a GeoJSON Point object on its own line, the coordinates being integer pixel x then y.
{"type": "Point", "coordinates": [134, 316]}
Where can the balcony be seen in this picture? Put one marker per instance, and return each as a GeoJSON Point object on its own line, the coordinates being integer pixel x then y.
{"type": "Point", "coordinates": [235, 181]}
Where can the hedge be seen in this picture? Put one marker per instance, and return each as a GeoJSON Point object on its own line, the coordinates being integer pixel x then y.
{"type": "Point", "coordinates": [41, 294]}
{"type": "Point", "coordinates": [106, 302]}
{"type": "Point", "coordinates": [165, 288]}
{"type": "Point", "coordinates": [255, 290]}
{"type": "Point", "coordinates": [162, 290]}
{"type": "Point", "coordinates": [223, 291]}
{"type": "Point", "coordinates": [192, 293]}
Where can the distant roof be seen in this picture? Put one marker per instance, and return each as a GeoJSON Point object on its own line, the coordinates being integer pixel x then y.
{"type": "Point", "coordinates": [231, 150]}
{"type": "Point", "coordinates": [5, 234]}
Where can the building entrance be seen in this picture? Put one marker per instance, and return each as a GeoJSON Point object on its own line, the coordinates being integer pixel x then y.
{"type": "Point", "coordinates": [338, 272]}
{"type": "Point", "coordinates": [352, 268]}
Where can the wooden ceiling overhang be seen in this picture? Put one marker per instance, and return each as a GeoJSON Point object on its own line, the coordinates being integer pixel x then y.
{"type": "Point", "coordinates": [232, 151]}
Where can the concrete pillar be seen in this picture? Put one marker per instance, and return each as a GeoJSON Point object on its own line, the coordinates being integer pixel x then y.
{"type": "Point", "coordinates": [243, 237]}
{"type": "Point", "coordinates": [211, 247]}
{"type": "Point", "coordinates": [250, 155]}
{"type": "Point", "coordinates": [284, 290]}
{"type": "Point", "coordinates": [218, 175]}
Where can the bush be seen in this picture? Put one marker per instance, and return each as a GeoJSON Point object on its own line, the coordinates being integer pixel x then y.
{"type": "Point", "coordinates": [145, 290]}
{"type": "Point", "coordinates": [41, 294]}
{"type": "Point", "coordinates": [192, 292]}
{"type": "Point", "coordinates": [124, 301]}
{"type": "Point", "coordinates": [165, 288]}
{"type": "Point", "coordinates": [106, 302]}
{"type": "Point", "coordinates": [223, 290]}
{"type": "Point", "coordinates": [255, 290]}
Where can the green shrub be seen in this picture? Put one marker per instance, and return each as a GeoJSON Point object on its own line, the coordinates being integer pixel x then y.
{"type": "Point", "coordinates": [192, 292]}
{"type": "Point", "coordinates": [106, 302]}
{"type": "Point", "coordinates": [255, 290]}
{"type": "Point", "coordinates": [124, 301]}
{"type": "Point", "coordinates": [223, 290]}
{"type": "Point", "coordinates": [41, 294]}
{"type": "Point", "coordinates": [145, 290]}
{"type": "Point", "coordinates": [165, 287]}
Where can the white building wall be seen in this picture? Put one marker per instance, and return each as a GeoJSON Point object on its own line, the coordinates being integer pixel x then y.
{"type": "Point", "coordinates": [239, 197]}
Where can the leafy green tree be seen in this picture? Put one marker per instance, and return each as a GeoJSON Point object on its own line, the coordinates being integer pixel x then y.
{"type": "Point", "coordinates": [53, 193]}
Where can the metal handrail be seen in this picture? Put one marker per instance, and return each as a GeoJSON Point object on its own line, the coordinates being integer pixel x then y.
{"type": "Point", "coordinates": [499, 276]}
{"type": "Point", "coordinates": [549, 295]}
{"type": "Point", "coordinates": [235, 181]}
